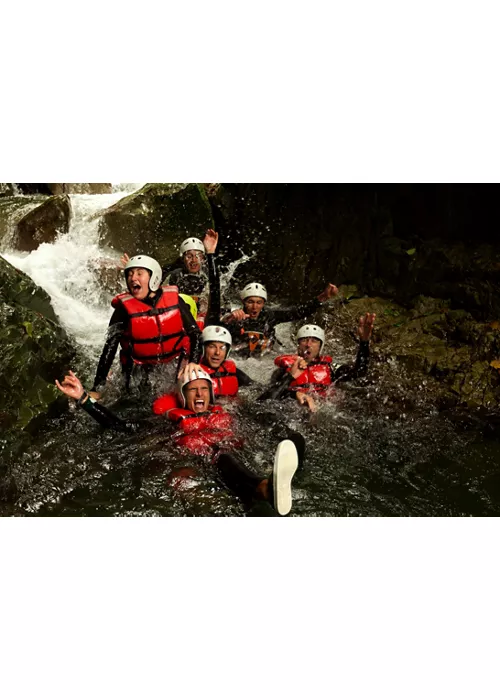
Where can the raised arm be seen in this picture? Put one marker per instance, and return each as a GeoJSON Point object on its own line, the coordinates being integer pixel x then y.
{"type": "Point", "coordinates": [346, 373]}
{"type": "Point", "coordinates": [116, 328]}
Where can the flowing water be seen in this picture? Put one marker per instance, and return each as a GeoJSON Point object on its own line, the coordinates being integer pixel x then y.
{"type": "Point", "coordinates": [378, 447]}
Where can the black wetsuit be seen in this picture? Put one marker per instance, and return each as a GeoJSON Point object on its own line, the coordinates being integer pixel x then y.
{"type": "Point", "coordinates": [118, 325]}
{"type": "Point", "coordinates": [266, 323]}
{"type": "Point", "coordinates": [281, 378]}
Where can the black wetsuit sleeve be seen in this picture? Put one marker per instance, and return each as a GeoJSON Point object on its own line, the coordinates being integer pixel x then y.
{"type": "Point", "coordinates": [345, 373]}
{"type": "Point", "coordinates": [193, 332]}
{"type": "Point", "coordinates": [293, 313]}
{"type": "Point", "coordinates": [280, 381]}
{"type": "Point", "coordinates": [116, 328]}
{"type": "Point", "coordinates": [108, 419]}
{"type": "Point", "coordinates": [214, 312]}
{"type": "Point", "coordinates": [166, 270]}
{"type": "Point", "coordinates": [243, 378]}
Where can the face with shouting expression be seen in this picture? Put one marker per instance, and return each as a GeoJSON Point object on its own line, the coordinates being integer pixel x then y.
{"type": "Point", "coordinates": [197, 395]}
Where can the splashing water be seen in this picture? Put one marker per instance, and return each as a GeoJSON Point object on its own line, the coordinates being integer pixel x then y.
{"type": "Point", "coordinates": [68, 271]}
{"type": "Point", "coordinates": [367, 453]}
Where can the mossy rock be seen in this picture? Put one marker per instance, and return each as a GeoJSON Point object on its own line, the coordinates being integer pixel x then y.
{"type": "Point", "coordinates": [16, 287]}
{"type": "Point", "coordinates": [26, 222]}
{"type": "Point", "coordinates": [34, 351]}
{"type": "Point", "coordinates": [156, 219]}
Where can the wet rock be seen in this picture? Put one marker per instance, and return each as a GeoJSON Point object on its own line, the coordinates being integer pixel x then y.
{"type": "Point", "coordinates": [34, 350]}
{"type": "Point", "coordinates": [80, 187]}
{"type": "Point", "coordinates": [393, 241]}
{"type": "Point", "coordinates": [17, 288]}
{"type": "Point", "coordinates": [448, 349]}
{"type": "Point", "coordinates": [26, 222]}
{"type": "Point", "coordinates": [156, 219]}
{"type": "Point", "coordinates": [109, 276]}
{"type": "Point", "coordinates": [7, 189]}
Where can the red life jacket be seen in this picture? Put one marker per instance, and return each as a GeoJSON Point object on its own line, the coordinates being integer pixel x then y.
{"type": "Point", "coordinates": [198, 432]}
{"type": "Point", "coordinates": [317, 377]}
{"type": "Point", "coordinates": [224, 379]}
{"type": "Point", "coordinates": [154, 333]}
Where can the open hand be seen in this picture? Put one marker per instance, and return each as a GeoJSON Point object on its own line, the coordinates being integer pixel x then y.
{"type": "Point", "coordinates": [210, 240]}
{"type": "Point", "coordinates": [124, 259]}
{"type": "Point", "coordinates": [329, 291]}
{"type": "Point", "coordinates": [365, 328]}
{"type": "Point", "coordinates": [187, 371]}
{"type": "Point", "coordinates": [71, 386]}
{"type": "Point", "coordinates": [306, 400]}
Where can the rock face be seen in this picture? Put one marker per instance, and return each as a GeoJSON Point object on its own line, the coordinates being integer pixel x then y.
{"type": "Point", "coordinates": [34, 350]}
{"type": "Point", "coordinates": [80, 187]}
{"type": "Point", "coordinates": [156, 219]}
{"type": "Point", "coordinates": [397, 241]}
{"type": "Point", "coordinates": [455, 356]}
{"type": "Point", "coordinates": [7, 189]}
{"type": "Point", "coordinates": [25, 222]}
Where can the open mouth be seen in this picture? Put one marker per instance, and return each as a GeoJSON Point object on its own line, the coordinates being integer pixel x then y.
{"type": "Point", "coordinates": [135, 287]}
{"type": "Point", "coordinates": [199, 403]}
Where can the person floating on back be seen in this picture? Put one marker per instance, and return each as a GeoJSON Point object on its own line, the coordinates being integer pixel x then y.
{"type": "Point", "coordinates": [203, 428]}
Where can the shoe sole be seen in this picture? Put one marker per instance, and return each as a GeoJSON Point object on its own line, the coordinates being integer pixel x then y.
{"type": "Point", "coordinates": [286, 461]}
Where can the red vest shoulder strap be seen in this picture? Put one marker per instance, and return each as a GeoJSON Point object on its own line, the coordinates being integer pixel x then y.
{"type": "Point", "coordinates": [124, 296]}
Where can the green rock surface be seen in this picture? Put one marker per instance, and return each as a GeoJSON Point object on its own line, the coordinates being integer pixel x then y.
{"type": "Point", "coordinates": [28, 221]}
{"type": "Point", "coordinates": [156, 219]}
{"type": "Point", "coordinates": [34, 350]}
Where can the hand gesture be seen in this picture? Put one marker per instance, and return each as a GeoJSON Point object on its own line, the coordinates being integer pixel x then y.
{"type": "Point", "coordinates": [71, 386]}
{"type": "Point", "coordinates": [298, 367]}
{"type": "Point", "coordinates": [124, 259]}
{"type": "Point", "coordinates": [236, 315]}
{"type": "Point", "coordinates": [365, 328]}
{"type": "Point", "coordinates": [306, 400]}
{"type": "Point", "coordinates": [329, 291]}
{"type": "Point", "coordinates": [187, 371]}
{"type": "Point", "coordinates": [210, 241]}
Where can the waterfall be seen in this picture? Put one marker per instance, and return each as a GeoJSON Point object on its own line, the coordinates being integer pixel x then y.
{"type": "Point", "coordinates": [69, 270]}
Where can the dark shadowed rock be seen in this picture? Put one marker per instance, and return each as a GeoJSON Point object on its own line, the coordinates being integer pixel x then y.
{"type": "Point", "coordinates": [43, 224]}
{"type": "Point", "coordinates": [7, 189]}
{"type": "Point", "coordinates": [34, 350]}
{"type": "Point", "coordinates": [27, 221]}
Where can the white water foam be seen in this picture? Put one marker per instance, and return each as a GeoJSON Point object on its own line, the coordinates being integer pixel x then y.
{"type": "Point", "coordinates": [68, 270]}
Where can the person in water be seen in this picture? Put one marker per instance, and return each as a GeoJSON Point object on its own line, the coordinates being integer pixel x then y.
{"type": "Point", "coordinates": [151, 322]}
{"type": "Point", "coordinates": [205, 429]}
{"type": "Point", "coordinates": [253, 327]}
{"type": "Point", "coordinates": [192, 278]}
{"type": "Point", "coordinates": [309, 373]}
{"type": "Point", "coordinates": [225, 375]}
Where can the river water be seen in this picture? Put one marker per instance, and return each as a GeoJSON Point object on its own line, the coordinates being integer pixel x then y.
{"type": "Point", "coordinates": [378, 448]}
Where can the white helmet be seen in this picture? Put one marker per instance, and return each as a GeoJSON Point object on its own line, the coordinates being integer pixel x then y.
{"type": "Point", "coordinates": [254, 289]}
{"type": "Point", "coordinates": [217, 334]}
{"type": "Point", "coordinates": [311, 331]}
{"type": "Point", "coordinates": [182, 383]}
{"type": "Point", "coordinates": [150, 264]}
{"type": "Point", "coordinates": [191, 244]}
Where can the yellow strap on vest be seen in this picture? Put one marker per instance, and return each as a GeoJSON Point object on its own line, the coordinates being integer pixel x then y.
{"type": "Point", "coordinates": [191, 303]}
